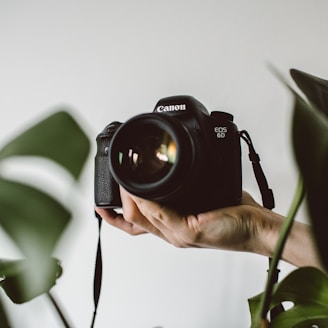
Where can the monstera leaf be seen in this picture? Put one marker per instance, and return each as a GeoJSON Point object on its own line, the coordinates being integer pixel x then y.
{"type": "Point", "coordinates": [58, 138]}
{"type": "Point", "coordinates": [19, 281]}
{"type": "Point", "coordinates": [307, 289]}
{"type": "Point", "coordinates": [33, 219]}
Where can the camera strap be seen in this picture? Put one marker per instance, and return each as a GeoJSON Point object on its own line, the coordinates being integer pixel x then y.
{"type": "Point", "coordinates": [266, 192]}
{"type": "Point", "coordinates": [267, 200]}
{"type": "Point", "coordinates": [98, 272]}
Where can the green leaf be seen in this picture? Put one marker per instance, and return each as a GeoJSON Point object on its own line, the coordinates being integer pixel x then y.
{"type": "Point", "coordinates": [58, 138]}
{"type": "Point", "coordinates": [32, 218]}
{"type": "Point", "coordinates": [254, 304]}
{"type": "Point", "coordinates": [310, 143]}
{"type": "Point", "coordinates": [22, 280]}
{"type": "Point", "coordinates": [314, 88]}
{"type": "Point", "coordinates": [307, 289]}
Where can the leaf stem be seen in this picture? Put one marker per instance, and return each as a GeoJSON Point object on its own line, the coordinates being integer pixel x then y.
{"type": "Point", "coordinates": [59, 311]}
{"type": "Point", "coordinates": [286, 227]}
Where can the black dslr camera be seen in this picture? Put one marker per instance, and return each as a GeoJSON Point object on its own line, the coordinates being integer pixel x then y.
{"type": "Point", "coordinates": [180, 156]}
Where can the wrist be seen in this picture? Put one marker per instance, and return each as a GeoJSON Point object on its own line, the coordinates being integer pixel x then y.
{"type": "Point", "coordinates": [269, 226]}
{"type": "Point", "coordinates": [300, 249]}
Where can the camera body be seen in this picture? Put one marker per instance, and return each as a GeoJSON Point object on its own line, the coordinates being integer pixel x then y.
{"type": "Point", "coordinates": [180, 156]}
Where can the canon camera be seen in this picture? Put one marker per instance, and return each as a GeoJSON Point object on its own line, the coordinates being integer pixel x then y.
{"type": "Point", "coordinates": [180, 156]}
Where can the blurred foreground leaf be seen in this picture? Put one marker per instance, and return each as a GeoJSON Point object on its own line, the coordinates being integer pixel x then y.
{"type": "Point", "coordinates": [58, 138]}
{"type": "Point", "coordinates": [310, 143]}
{"type": "Point", "coordinates": [34, 219]}
{"type": "Point", "coordinates": [22, 280]}
{"type": "Point", "coordinates": [307, 289]}
{"type": "Point", "coordinates": [31, 218]}
{"type": "Point", "coordinates": [314, 88]}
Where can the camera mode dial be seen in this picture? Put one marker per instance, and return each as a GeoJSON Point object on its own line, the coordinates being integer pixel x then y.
{"type": "Point", "coordinates": [222, 115]}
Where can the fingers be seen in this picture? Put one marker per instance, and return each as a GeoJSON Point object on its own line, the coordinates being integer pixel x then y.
{"type": "Point", "coordinates": [117, 220]}
{"type": "Point", "coordinates": [179, 230]}
{"type": "Point", "coordinates": [132, 221]}
{"type": "Point", "coordinates": [146, 214]}
{"type": "Point", "coordinates": [160, 216]}
{"type": "Point", "coordinates": [158, 220]}
{"type": "Point", "coordinates": [213, 229]}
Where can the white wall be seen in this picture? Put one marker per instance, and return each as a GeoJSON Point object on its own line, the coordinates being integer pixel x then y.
{"type": "Point", "coordinates": [110, 60]}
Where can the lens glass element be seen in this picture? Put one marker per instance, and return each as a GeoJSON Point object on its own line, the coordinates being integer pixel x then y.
{"type": "Point", "coordinates": [149, 155]}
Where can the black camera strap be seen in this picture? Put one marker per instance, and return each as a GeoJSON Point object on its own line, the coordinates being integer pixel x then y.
{"type": "Point", "coordinates": [266, 192]}
{"type": "Point", "coordinates": [98, 272]}
{"type": "Point", "coordinates": [267, 200]}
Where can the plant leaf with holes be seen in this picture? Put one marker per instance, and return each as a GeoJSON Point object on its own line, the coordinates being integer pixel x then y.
{"type": "Point", "coordinates": [307, 289]}
{"type": "Point", "coordinates": [23, 280]}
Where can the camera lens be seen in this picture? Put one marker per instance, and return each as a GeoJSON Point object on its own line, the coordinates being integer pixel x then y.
{"type": "Point", "coordinates": [152, 156]}
{"type": "Point", "coordinates": [149, 155]}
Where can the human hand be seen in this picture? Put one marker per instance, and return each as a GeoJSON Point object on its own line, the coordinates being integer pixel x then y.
{"type": "Point", "coordinates": [238, 228]}
{"type": "Point", "coordinates": [248, 227]}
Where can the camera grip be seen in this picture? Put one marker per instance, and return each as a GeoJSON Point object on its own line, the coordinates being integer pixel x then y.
{"type": "Point", "coordinates": [107, 193]}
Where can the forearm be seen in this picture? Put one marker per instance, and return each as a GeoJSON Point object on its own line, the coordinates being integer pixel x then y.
{"type": "Point", "coordinates": [299, 250]}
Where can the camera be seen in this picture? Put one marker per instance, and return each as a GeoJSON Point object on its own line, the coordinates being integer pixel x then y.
{"type": "Point", "coordinates": [179, 155]}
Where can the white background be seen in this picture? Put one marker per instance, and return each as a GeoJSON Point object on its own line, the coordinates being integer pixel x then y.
{"type": "Point", "coordinates": [110, 60]}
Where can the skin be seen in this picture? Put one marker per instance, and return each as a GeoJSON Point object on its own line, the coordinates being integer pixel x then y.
{"type": "Point", "coordinates": [248, 227]}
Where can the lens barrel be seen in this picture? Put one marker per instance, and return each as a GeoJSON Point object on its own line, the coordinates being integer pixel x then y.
{"type": "Point", "coordinates": [152, 156]}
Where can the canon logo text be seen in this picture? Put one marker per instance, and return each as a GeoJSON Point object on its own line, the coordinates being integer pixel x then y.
{"type": "Point", "coordinates": [171, 108]}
